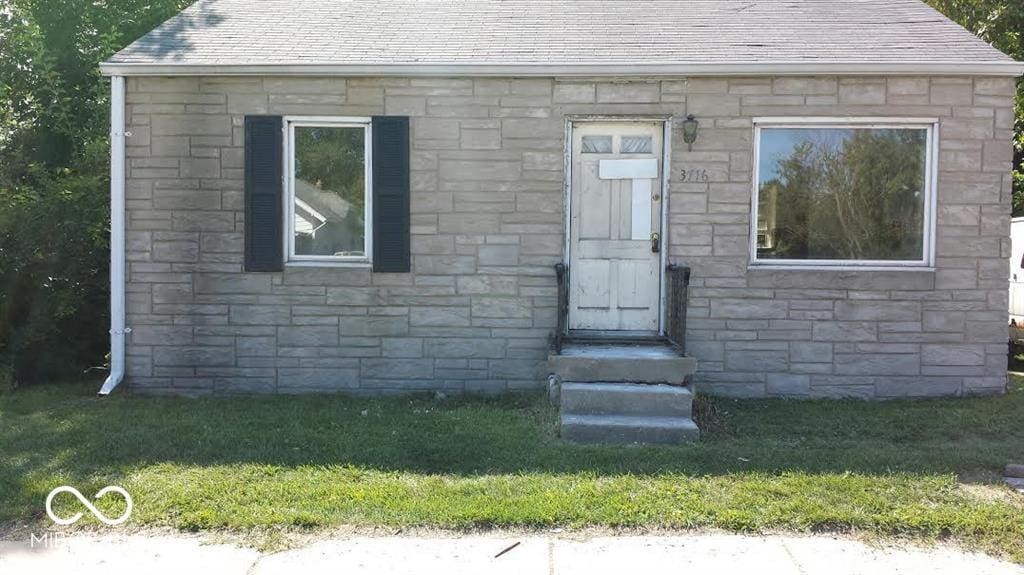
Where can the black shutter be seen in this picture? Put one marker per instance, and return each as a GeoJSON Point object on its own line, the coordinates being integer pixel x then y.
{"type": "Point", "coordinates": [264, 219]}
{"type": "Point", "coordinates": [391, 194]}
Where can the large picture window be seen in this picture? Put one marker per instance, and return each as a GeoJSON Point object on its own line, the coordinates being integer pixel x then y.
{"type": "Point", "coordinates": [843, 193]}
{"type": "Point", "coordinates": [327, 200]}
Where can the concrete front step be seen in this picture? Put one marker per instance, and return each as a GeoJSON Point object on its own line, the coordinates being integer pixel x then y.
{"type": "Point", "coordinates": [627, 429]}
{"type": "Point", "coordinates": [645, 363]}
{"type": "Point", "coordinates": [624, 392]}
{"type": "Point", "coordinates": [626, 399]}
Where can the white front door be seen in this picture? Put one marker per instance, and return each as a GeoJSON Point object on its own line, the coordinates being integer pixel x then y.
{"type": "Point", "coordinates": [615, 226]}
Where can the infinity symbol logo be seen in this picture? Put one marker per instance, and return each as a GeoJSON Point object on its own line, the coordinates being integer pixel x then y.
{"type": "Point", "coordinates": [103, 518]}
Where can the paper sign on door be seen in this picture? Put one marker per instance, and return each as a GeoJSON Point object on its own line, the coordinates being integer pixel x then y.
{"type": "Point", "coordinates": [641, 229]}
{"type": "Point", "coordinates": [628, 169]}
{"type": "Point", "coordinates": [641, 172]}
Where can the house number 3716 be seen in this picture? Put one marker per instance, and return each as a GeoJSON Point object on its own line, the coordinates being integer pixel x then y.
{"type": "Point", "coordinates": [699, 175]}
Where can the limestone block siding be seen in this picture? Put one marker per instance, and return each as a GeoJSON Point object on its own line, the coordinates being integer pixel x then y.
{"type": "Point", "coordinates": [487, 223]}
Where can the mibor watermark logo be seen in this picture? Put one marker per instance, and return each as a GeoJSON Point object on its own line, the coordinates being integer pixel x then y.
{"type": "Point", "coordinates": [92, 508]}
{"type": "Point", "coordinates": [53, 539]}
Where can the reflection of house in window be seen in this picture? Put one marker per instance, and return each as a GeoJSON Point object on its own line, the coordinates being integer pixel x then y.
{"type": "Point", "coordinates": [767, 227]}
{"type": "Point", "coordinates": [325, 223]}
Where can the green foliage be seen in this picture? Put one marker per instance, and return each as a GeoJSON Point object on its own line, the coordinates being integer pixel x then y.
{"type": "Point", "coordinates": [1000, 23]}
{"type": "Point", "coordinates": [53, 241]}
{"type": "Point", "coordinates": [53, 177]}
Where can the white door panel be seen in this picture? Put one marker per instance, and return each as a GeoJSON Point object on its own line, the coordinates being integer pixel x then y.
{"type": "Point", "coordinates": [608, 250]}
{"type": "Point", "coordinates": [595, 216]}
{"type": "Point", "coordinates": [635, 278]}
{"type": "Point", "coordinates": [593, 290]}
{"type": "Point", "coordinates": [614, 275]}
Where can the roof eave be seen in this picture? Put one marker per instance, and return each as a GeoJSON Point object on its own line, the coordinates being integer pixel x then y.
{"type": "Point", "coordinates": [457, 69]}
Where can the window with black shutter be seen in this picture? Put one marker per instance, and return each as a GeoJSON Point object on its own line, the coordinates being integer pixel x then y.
{"type": "Point", "coordinates": [341, 196]}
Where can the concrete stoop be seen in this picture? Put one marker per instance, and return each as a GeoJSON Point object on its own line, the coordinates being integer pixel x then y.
{"type": "Point", "coordinates": [614, 393]}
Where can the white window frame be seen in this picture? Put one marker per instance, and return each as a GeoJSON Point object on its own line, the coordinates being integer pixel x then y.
{"type": "Point", "coordinates": [292, 122]}
{"type": "Point", "coordinates": [931, 125]}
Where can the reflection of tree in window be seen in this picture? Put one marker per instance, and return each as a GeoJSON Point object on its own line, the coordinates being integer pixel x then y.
{"type": "Point", "coordinates": [330, 193]}
{"type": "Point", "coordinates": [851, 194]}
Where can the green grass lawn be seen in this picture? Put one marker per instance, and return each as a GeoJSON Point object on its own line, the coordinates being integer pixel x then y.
{"type": "Point", "coordinates": [920, 468]}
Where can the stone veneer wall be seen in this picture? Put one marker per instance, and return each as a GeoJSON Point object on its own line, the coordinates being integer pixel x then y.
{"type": "Point", "coordinates": [487, 224]}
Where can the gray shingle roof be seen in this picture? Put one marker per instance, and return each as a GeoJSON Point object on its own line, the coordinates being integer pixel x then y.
{"type": "Point", "coordinates": [698, 34]}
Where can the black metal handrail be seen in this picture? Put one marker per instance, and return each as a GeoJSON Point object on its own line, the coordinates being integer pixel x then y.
{"type": "Point", "coordinates": [561, 273]}
{"type": "Point", "coordinates": [678, 287]}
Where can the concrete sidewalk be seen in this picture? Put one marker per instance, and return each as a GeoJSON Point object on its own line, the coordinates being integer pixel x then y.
{"type": "Point", "coordinates": [540, 554]}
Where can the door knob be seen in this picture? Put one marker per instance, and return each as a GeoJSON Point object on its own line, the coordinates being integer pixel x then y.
{"type": "Point", "coordinates": [655, 242]}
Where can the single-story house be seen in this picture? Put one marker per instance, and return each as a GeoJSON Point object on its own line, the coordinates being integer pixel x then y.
{"type": "Point", "coordinates": [804, 198]}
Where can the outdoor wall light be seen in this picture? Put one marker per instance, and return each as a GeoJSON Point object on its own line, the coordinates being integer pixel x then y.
{"type": "Point", "coordinates": [690, 131]}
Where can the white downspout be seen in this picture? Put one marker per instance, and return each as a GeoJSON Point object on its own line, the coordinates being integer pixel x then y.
{"type": "Point", "coordinates": [117, 247]}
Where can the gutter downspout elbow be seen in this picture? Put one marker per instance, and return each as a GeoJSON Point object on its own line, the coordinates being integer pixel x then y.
{"type": "Point", "coordinates": [117, 237]}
